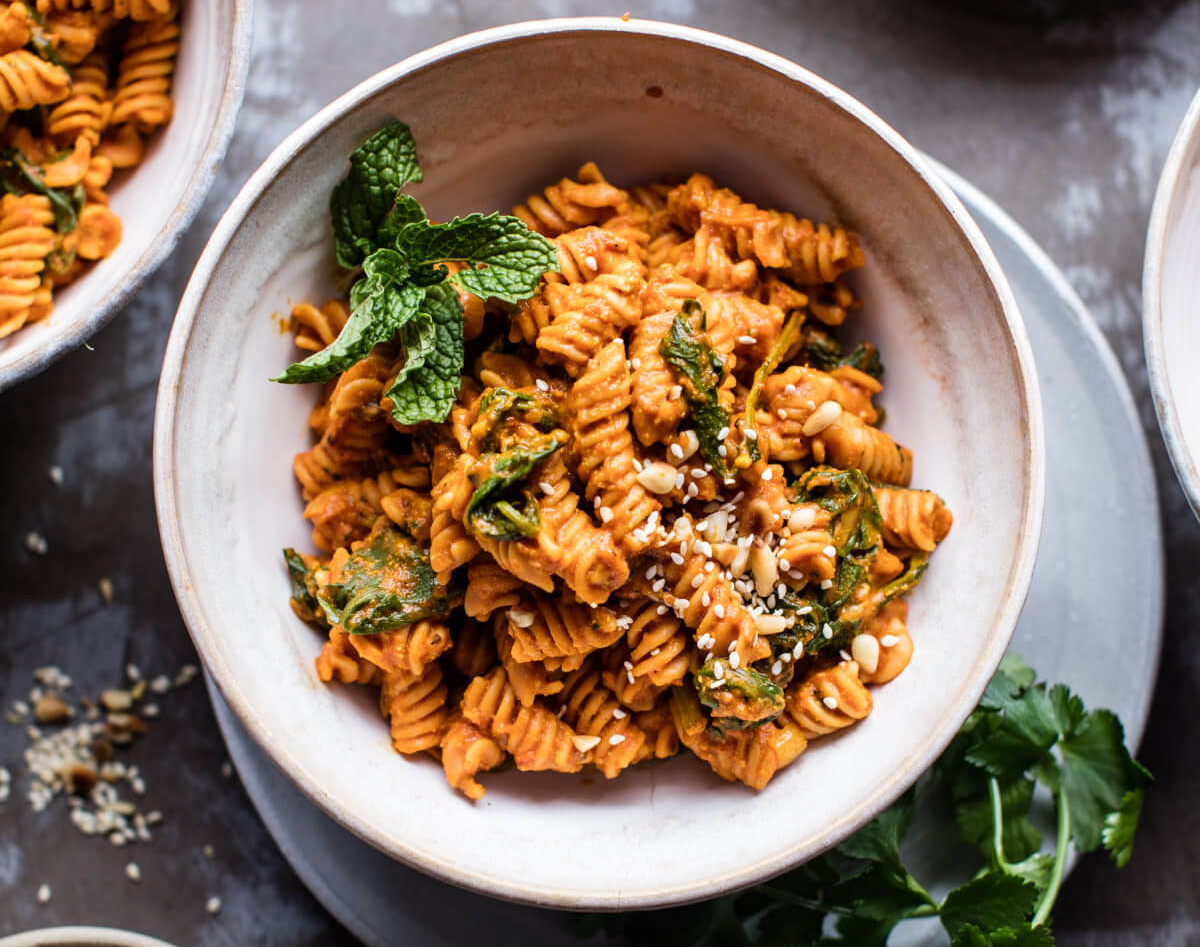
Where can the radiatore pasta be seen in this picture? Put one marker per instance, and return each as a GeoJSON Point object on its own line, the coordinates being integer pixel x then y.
{"type": "Point", "coordinates": [661, 514]}
{"type": "Point", "coordinates": [83, 83]}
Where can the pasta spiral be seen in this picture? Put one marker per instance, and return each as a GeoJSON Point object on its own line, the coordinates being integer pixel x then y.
{"type": "Point", "coordinates": [534, 737]}
{"type": "Point", "coordinates": [546, 627]}
{"type": "Point", "coordinates": [592, 711]}
{"type": "Point", "coordinates": [26, 80]}
{"type": "Point", "coordinates": [913, 519]}
{"type": "Point", "coordinates": [85, 112]}
{"type": "Point", "coordinates": [466, 751]}
{"type": "Point", "coordinates": [26, 239]}
{"type": "Point", "coordinates": [142, 94]}
{"type": "Point", "coordinates": [415, 708]}
{"type": "Point", "coordinates": [829, 700]}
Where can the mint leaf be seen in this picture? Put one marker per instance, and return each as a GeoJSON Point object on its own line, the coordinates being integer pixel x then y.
{"type": "Point", "coordinates": [379, 167]}
{"type": "Point", "coordinates": [1097, 772]}
{"type": "Point", "coordinates": [990, 901]}
{"type": "Point", "coordinates": [504, 258]}
{"type": "Point", "coordinates": [380, 304]}
{"type": "Point", "coordinates": [407, 210]}
{"type": "Point", "coordinates": [1119, 827]}
{"type": "Point", "coordinates": [425, 392]}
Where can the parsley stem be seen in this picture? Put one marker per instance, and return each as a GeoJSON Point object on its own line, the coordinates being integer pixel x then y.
{"type": "Point", "coordinates": [1046, 902]}
{"type": "Point", "coordinates": [998, 826]}
{"type": "Point", "coordinates": [798, 900]}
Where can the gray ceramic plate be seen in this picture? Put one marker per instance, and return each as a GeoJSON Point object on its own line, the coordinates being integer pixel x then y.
{"type": "Point", "coordinates": [80, 937]}
{"type": "Point", "coordinates": [1092, 620]}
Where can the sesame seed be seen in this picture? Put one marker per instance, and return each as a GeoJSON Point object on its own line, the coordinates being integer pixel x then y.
{"type": "Point", "coordinates": [619, 713]}
{"type": "Point", "coordinates": [591, 262]}
{"type": "Point", "coordinates": [804, 610]}
{"type": "Point", "coordinates": [651, 573]}
{"type": "Point", "coordinates": [43, 894]}
{"type": "Point", "coordinates": [830, 702]}
{"type": "Point", "coordinates": [781, 414]}
{"type": "Point", "coordinates": [629, 677]}
{"type": "Point", "coordinates": [616, 739]}
{"type": "Point", "coordinates": [36, 544]}
{"type": "Point", "coordinates": [709, 566]}
{"type": "Point", "coordinates": [661, 610]}
{"type": "Point", "coordinates": [722, 434]}
{"type": "Point", "coordinates": [751, 434]}
{"type": "Point", "coordinates": [133, 672]}
{"type": "Point", "coordinates": [679, 481]}
{"type": "Point", "coordinates": [133, 872]}
{"type": "Point", "coordinates": [541, 385]}
{"type": "Point", "coordinates": [677, 559]}
{"type": "Point", "coordinates": [888, 640]}
{"type": "Point", "coordinates": [55, 473]}
{"type": "Point", "coordinates": [692, 491]}
{"type": "Point", "coordinates": [718, 670]}
{"type": "Point", "coordinates": [798, 650]}
{"type": "Point", "coordinates": [719, 610]}
{"type": "Point", "coordinates": [746, 340]}
{"type": "Point", "coordinates": [767, 474]}
{"type": "Point", "coordinates": [213, 905]}
{"type": "Point", "coordinates": [715, 684]}
{"type": "Point", "coordinates": [636, 363]}
{"type": "Point", "coordinates": [697, 580]}
{"type": "Point", "coordinates": [830, 551]}
{"type": "Point", "coordinates": [606, 515]}
{"type": "Point", "coordinates": [777, 668]}
{"type": "Point", "coordinates": [827, 584]}
{"type": "Point", "coordinates": [827, 630]}
{"type": "Point", "coordinates": [659, 584]}
{"type": "Point", "coordinates": [705, 600]}
{"type": "Point", "coordinates": [789, 388]}
{"type": "Point", "coordinates": [785, 565]}
{"type": "Point", "coordinates": [675, 392]}
{"type": "Point", "coordinates": [547, 488]}
{"type": "Point", "coordinates": [722, 450]}
{"type": "Point", "coordinates": [698, 473]}
{"type": "Point", "coordinates": [676, 450]}
{"type": "Point", "coordinates": [844, 656]}
{"type": "Point", "coordinates": [734, 659]}
{"type": "Point", "coordinates": [628, 665]}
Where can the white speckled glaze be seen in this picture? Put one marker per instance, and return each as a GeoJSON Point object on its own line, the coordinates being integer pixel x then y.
{"type": "Point", "coordinates": [961, 391]}
{"type": "Point", "coordinates": [1170, 307]}
{"type": "Point", "coordinates": [157, 199]}
{"type": "Point", "coordinates": [80, 937]}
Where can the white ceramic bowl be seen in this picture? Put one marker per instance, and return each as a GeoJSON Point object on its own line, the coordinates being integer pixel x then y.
{"type": "Point", "coordinates": [157, 199]}
{"type": "Point", "coordinates": [495, 115]}
{"type": "Point", "coordinates": [1170, 290]}
{"type": "Point", "coordinates": [80, 937]}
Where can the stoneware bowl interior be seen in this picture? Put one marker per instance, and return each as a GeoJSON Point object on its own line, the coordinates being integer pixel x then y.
{"type": "Point", "coordinates": [157, 199]}
{"type": "Point", "coordinates": [1171, 286]}
{"type": "Point", "coordinates": [495, 116]}
{"type": "Point", "coordinates": [80, 937]}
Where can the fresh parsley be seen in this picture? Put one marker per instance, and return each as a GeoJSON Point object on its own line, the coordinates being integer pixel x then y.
{"type": "Point", "coordinates": [1023, 735]}
{"type": "Point", "coordinates": [406, 291]}
{"type": "Point", "coordinates": [19, 175]}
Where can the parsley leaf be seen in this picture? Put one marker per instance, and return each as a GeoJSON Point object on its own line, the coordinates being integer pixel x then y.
{"type": "Point", "coordinates": [379, 167]}
{"type": "Point", "coordinates": [1119, 826]}
{"type": "Point", "coordinates": [19, 175]}
{"type": "Point", "coordinates": [504, 258]}
{"type": "Point", "coordinates": [990, 901]}
{"type": "Point", "coordinates": [1022, 935]}
{"type": "Point", "coordinates": [380, 304]}
{"type": "Point", "coordinates": [1096, 771]}
{"type": "Point", "coordinates": [426, 391]}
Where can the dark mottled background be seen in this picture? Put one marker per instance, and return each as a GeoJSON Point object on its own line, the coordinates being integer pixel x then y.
{"type": "Point", "coordinates": [1062, 116]}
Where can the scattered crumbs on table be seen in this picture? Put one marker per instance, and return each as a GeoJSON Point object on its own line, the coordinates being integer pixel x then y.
{"type": "Point", "coordinates": [226, 769]}
{"type": "Point", "coordinates": [43, 894]}
{"type": "Point", "coordinates": [105, 587]}
{"type": "Point", "coordinates": [209, 852]}
{"type": "Point", "coordinates": [55, 473]}
{"type": "Point", "coordinates": [77, 758]}
{"type": "Point", "coordinates": [133, 872]}
{"type": "Point", "coordinates": [185, 675]}
{"type": "Point", "coordinates": [213, 905]}
{"type": "Point", "coordinates": [36, 543]}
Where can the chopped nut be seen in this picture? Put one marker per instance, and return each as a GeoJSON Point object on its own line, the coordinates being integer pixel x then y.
{"type": "Point", "coordinates": [737, 568]}
{"type": "Point", "coordinates": [725, 553]}
{"type": "Point", "coordinates": [102, 750]}
{"type": "Point", "coordinates": [50, 708]}
{"type": "Point", "coordinates": [138, 691]}
{"type": "Point", "coordinates": [765, 569]}
{"type": "Point", "coordinates": [771, 624]}
{"type": "Point", "coordinates": [825, 415]}
{"type": "Point", "coordinates": [79, 778]}
{"type": "Point", "coordinates": [116, 700]}
{"type": "Point", "coordinates": [865, 651]}
{"type": "Point", "coordinates": [520, 617]}
{"type": "Point", "coordinates": [105, 587]}
{"type": "Point", "coordinates": [657, 477]}
{"type": "Point", "coordinates": [584, 743]}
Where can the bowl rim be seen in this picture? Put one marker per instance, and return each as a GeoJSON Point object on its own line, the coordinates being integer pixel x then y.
{"type": "Point", "coordinates": [80, 936]}
{"type": "Point", "coordinates": [1166, 196]}
{"type": "Point", "coordinates": [205, 636]}
{"type": "Point", "coordinates": [165, 241]}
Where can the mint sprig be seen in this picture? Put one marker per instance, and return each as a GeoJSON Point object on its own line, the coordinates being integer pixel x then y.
{"type": "Point", "coordinates": [1022, 735]}
{"type": "Point", "coordinates": [404, 292]}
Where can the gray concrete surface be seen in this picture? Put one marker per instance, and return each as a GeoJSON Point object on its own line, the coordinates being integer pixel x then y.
{"type": "Point", "coordinates": [1064, 122]}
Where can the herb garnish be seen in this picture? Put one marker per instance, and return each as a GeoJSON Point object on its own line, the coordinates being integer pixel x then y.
{"type": "Point", "coordinates": [19, 175]}
{"type": "Point", "coordinates": [404, 290]}
{"type": "Point", "coordinates": [1021, 735]}
{"type": "Point", "coordinates": [687, 349]}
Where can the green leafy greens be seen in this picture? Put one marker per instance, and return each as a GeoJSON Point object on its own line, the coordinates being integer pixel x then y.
{"type": "Point", "coordinates": [19, 175]}
{"type": "Point", "coordinates": [407, 291]}
{"type": "Point", "coordinates": [386, 583]}
{"type": "Point", "coordinates": [1022, 735]}
{"type": "Point", "coordinates": [687, 349]}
